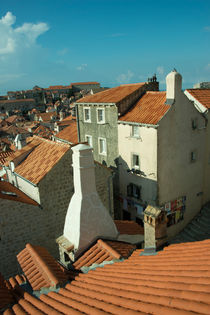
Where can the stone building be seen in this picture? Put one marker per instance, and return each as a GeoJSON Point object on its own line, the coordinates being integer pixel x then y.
{"type": "Point", "coordinates": [98, 116]}
{"type": "Point", "coordinates": [17, 104]}
{"type": "Point", "coordinates": [162, 156]}
{"type": "Point", "coordinates": [42, 171]}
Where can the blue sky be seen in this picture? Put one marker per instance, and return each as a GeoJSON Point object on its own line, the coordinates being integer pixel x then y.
{"type": "Point", "coordinates": [55, 42]}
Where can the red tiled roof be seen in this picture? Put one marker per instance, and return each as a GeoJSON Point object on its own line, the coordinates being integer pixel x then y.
{"type": "Point", "coordinates": [149, 109]}
{"type": "Point", "coordinates": [12, 119]}
{"type": "Point", "coordinates": [10, 192]}
{"type": "Point", "coordinates": [24, 100]}
{"type": "Point", "coordinates": [102, 251]}
{"type": "Point", "coordinates": [41, 160]}
{"type": "Point", "coordinates": [4, 155]}
{"type": "Point", "coordinates": [113, 95]}
{"type": "Point", "coordinates": [70, 117]}
{"type": "Point", "coordinates": [175, 281]}
{"type": "Point", "coordinates": [128, 227]}
{"type": "Point", "coordinates": [84, 83]}
{"type": "Point", "coordinates": [46, 116]}
{"type": "Point", "coordinates": [5, 295]}
{"type": "Point", "coordinates": [69, 133]}
{"type": "Point", "coordinates": [15, 281]}
{"type": "Point", "coordinates": [201, 95]}
{"type": "Point", "coordinates": [40, 268]}
{"type": "Point", "coordinates": [43, 132]}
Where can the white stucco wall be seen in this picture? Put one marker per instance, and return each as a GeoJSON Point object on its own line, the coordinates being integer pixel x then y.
{"type": "Point", "coordinates": [177, 175]}
{"type": "Point", "coordinates": [146, 147]}
{"type": "Point", "coordinates": [25, 186]}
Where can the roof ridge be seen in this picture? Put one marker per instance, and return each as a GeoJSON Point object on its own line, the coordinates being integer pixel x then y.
{"type": "Point", "coordinates": [107, 247]}
{"type": "Point", "coordinates": [42, 265]}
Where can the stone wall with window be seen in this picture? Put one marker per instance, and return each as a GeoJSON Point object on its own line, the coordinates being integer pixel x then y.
{"type": "Point", "coordinates": [99, 121]}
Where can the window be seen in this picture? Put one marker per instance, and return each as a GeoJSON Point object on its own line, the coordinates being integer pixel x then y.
{"type": "Point", "coordinates": [135, 131]}
{"type": "Point", "coordinates": [135, 162]}
{"type": "Point", "coordinates": [194, 123]}
{"type": "Point", "coordinates": [134, 191]}
{"type": "Point", "coordinates": [100, 116]}
{"type": "Point", "coordinates": [193, 156]}
{"type": "Point", "coordinates": [102, 146]}
{"type": "Point", "coordinates": [87, 117]}
{"type": "Point", "coordinates": [89, 140]}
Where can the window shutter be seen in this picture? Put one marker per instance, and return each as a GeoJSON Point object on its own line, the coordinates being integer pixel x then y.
{"type": "Point", "coordinates": [138, 192]}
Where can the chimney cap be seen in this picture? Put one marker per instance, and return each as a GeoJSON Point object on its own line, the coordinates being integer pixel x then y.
{"type": "Point", "coordinates": [81, 147]}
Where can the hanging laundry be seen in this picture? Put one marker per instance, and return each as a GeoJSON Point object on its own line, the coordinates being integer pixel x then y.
{"type": "Point", "coordinates": [179, 203]}
{"type": "Point", "coordinates": [173, 205]}
{"type": "Point", "coordinates": [168, 207]}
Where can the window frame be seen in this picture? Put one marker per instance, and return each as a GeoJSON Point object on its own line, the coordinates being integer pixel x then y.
{"type": "Point", "coordinates": [134, 165]}
{"type": "Point", "coordinates": [104, 152]}
{"type": "Point", "coordinates": [135, 194]}
{"type": "Point", "coordinates": [91, 138]}
{"type": "Point", "coordinates": [103, 111]}
{"type": "Point", "coordinates": [193, 156]}
{"type": "Point", "coordinates": [87, 120]}
{"type": "Point", "coordinates": [133, 135]}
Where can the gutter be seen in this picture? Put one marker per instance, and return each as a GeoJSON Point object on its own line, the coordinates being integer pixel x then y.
{"type": "Point", "coordinates": [136, 124]}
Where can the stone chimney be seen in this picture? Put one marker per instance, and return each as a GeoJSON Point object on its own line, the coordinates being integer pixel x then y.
{"type": "Point", "coordinates": [87, 219]}
{"type": "Point", "coordinates": [155, 229]}
{"type": "Point", "coordinates": [20, 141]}
{"type": "Point", "coordinates": [173, 86]}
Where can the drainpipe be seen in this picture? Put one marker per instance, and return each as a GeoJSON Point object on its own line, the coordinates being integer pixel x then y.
{"type": "Point", "coordinates": [77, 118]}
{"type": "Point", "coordinates": [111, 177]}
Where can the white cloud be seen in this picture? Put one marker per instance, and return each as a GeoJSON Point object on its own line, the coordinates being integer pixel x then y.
{"type": "Point", "coordinates": [32, 31]}
{"type": "Point", "coordinates": [82, 67]}
{"type": "Point", "coordinates": [12, 38]}
{"type": "Point", "coordinates": [9, 19]}
{"type": "Point", "coordinates": [125, 77]}
{"type": "Point", "coordinates": [160, 70]}
{"type": "Point", "coordinates": [10, 76]}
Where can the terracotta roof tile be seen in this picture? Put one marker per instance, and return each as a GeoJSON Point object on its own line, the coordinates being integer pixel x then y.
{"type": "Point", "coordinates": [102, 251]}
{"type": "Point", "coordinates": [149, 109]}
{"type": "Point", "coordinates": [113, 95]}
{"type": "Point", "coordinates": [84, 83]}
{"type": "Point", "coordinates": [5, 295]}
{"type": "Point", "coordinates": [4, 155]}
{"type": "Point", "coordinates": [10, 192]}
{"type": "Point", "coordinates": [128, 227]}
{"type": "Point", "coordinates": [41, 160]}
{"type": "Point", "coordinates": [69, 133]}
{"type": "Point", "coordinates": [24, 100]}
{"type": "Point", "coordinates": [40, 268]}
{"type": "Point", "coordinates": [174, 281]}
{"type": "Point", "coordinates": [201, 95]}
{"type": "Point", "coordinates": [43, 132]}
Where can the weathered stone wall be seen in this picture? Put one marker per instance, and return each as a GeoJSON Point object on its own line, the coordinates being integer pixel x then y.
{"type": "Point", "coordinates": [108, 130]}
{"type": "Point", "coordinates": [23, 223]}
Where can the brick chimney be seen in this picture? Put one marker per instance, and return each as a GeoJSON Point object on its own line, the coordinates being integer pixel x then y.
{"type": "Point", "coordinates": [155, 229]}
{"type": "Point", "coordinates": [173, 86]}
{"type": "Point", "coordinates": [87, 218]}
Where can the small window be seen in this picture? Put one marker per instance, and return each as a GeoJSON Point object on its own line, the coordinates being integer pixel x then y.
{"type": "Point", "coordinates": [87, 117]}
{"type": "Point", "coordinates": [135, 131]}
{"type": "Point", "coordinates": [193, 156]}
{"type": "Point", "coordinates": [100, 116]}
{"type": "Point", "coordinates": [134, 191]}
{"type": "Point", "coordinates": [135, 161]}
{"type": "Point", "coordinates": [102, 146]}
{"type": "Point", "coordinates": [194, 123]}
{"type": "Point", "coordinates": [89, 140]}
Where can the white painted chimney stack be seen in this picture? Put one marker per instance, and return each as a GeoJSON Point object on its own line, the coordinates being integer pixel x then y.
{"type": "Point", "coordinates": [173, 85]}
{"type": "Point", "coordinates": [86, 218]}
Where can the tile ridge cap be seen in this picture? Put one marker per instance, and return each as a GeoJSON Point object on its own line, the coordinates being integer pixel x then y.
{"type": "Point", "coordinates": [107, 247]}
{"type": "Point", "coordinates": [45, 269]}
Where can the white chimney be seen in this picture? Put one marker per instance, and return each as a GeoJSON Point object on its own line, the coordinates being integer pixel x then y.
{"type": "Point", "coordinates": [20, 141]}
{"type": "Point", "coordinates": [173, 85]}
{"type": "Point", "coordinates": [86, 218]}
